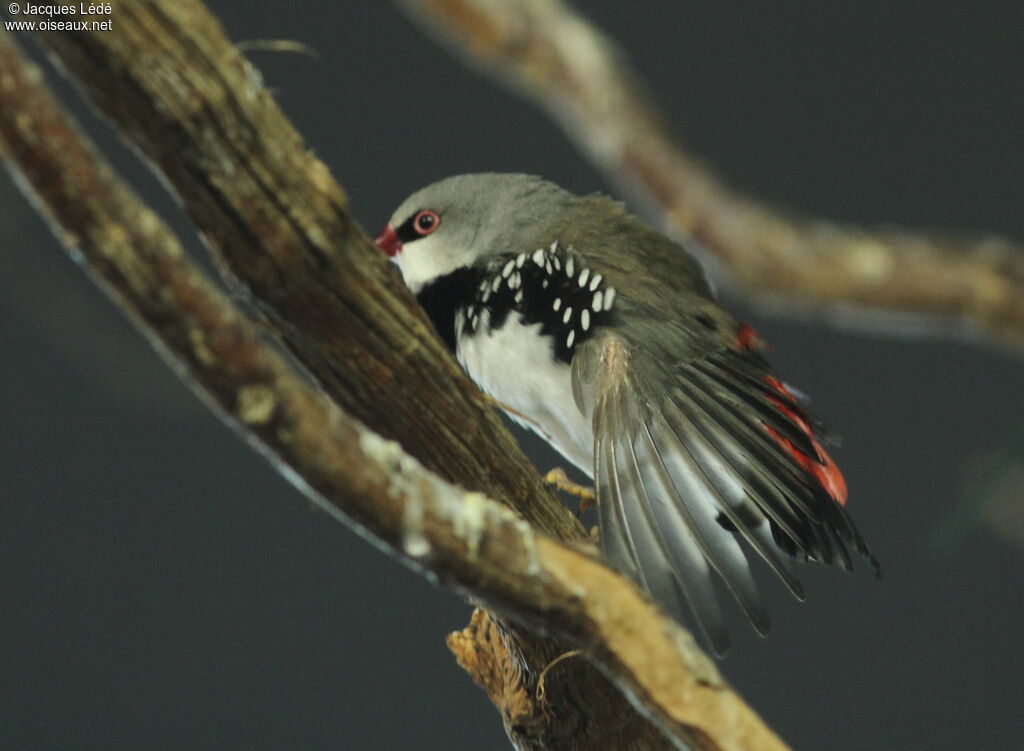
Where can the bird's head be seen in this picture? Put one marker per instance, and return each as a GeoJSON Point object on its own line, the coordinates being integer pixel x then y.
{"type": "Point", "coordinates": [466, 219]}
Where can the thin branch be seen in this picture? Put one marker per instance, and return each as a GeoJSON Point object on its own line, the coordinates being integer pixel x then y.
{"type": "Point", "coordinates": [547, 51]}
{"type": "Point", "coordinates": [464, 539]}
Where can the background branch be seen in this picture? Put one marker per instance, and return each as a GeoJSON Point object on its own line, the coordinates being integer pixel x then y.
{"type": "Point", "coordinates": [464, 539]}
{"type": "Point", "coordinates": [553, 55]}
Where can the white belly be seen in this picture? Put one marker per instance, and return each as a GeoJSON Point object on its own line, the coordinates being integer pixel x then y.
{"type": "Point", "coordinates": [515, 366]}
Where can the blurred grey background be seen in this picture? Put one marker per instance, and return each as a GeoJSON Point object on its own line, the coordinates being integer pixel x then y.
{"type": "Point", "coordinates": [161, 587]}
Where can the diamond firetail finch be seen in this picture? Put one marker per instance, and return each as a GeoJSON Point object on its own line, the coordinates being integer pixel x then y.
{"type": "Point", "coordinates": [604, 337]}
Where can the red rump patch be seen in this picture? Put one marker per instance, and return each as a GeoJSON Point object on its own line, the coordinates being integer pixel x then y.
{"type": "Point", "coordinates": [822, 468]}
{"type": "Point", "coordinates": [747, 338]}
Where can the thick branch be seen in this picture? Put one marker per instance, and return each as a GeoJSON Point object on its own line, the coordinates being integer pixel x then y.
{"type": "Point", "coordinates": [464, 539]}
{"type": "Point", "coordinates": [553, 55]}
{"type": "Point", "coordinates": [280, 227]}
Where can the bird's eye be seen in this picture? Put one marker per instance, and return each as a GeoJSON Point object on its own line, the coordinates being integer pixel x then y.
{"type": "Point", "coordinates": [426, 222]}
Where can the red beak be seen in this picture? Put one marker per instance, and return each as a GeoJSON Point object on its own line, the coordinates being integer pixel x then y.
{"type": "Point", "coordinates": [387, 240]}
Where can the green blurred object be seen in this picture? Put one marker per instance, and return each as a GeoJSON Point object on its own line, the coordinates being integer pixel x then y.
{"type": "Point", "coordinates": [993, 497]}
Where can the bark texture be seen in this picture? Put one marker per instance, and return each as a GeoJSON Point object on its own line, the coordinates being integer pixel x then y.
{"type": "Point", "coordinates": [279, 226]}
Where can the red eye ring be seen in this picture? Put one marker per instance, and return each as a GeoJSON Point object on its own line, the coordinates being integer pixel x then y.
{"type": "Point", "coordinates": [426, 222]}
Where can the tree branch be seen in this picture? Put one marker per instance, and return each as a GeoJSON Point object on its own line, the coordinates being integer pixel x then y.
{"type": "Point", "coordinates": [553, 55]}
{"type": "Point", "coordinates": [279, 226]}
{"type": "Point", "coordinates": [245, 188]}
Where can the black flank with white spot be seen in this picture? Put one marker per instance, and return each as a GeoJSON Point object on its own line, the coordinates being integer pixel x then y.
{"type": "Point", "coordinates": [549, 286]}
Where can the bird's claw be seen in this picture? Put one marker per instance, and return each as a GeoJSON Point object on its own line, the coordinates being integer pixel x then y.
{"type": "Point", "coordinates": [560, 480]}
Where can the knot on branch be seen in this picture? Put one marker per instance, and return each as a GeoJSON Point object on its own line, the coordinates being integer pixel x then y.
{"type": "Point", "coordinates": [558, 708]}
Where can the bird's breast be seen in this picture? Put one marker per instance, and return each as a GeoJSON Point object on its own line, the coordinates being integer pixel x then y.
{"type": "Point", "coordinates": [515, 365]}
{"type": "Point", "coordinates": [515, 322]}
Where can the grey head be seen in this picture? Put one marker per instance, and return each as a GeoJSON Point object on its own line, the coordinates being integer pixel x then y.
{"type": "Point", "coordinates": [466, 219]}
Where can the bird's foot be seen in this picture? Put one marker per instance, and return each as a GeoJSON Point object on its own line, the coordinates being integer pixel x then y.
{"type": "Point", "coordinates": [560, 480]}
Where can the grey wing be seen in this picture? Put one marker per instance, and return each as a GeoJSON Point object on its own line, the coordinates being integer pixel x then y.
{"type": "Point", "coordinates": [656, 521]}
{"type": "Point", "coordinates": [685, 471]}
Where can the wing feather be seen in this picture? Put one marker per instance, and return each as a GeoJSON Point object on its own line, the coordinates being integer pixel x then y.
{"type": "Point", "coordinates": [756, 396]}
{"type": "Point", "coordinates": [762, 450]}
{"type": "Point", "coordinates": [694, 457]}
{"type": "Point", "coordinates": [667, 577]}
{"type": "Point", "coordinates": [824, 528]}
{"type": "Point", "coordinates": [785, 497]}
{"type": "Point", "coordinates": [616, 544]}
{"type": "Point", "coordinates": [735, 494]}
{"type": "Point", "coordinates": [686, 509]}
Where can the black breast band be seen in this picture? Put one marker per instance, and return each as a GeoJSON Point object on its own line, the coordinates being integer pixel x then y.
{"type": "Point", "coordinates": [550, 286]}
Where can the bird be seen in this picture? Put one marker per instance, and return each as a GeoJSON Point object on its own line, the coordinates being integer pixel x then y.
{"type": "Point", "coordinates": [604, 337]}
